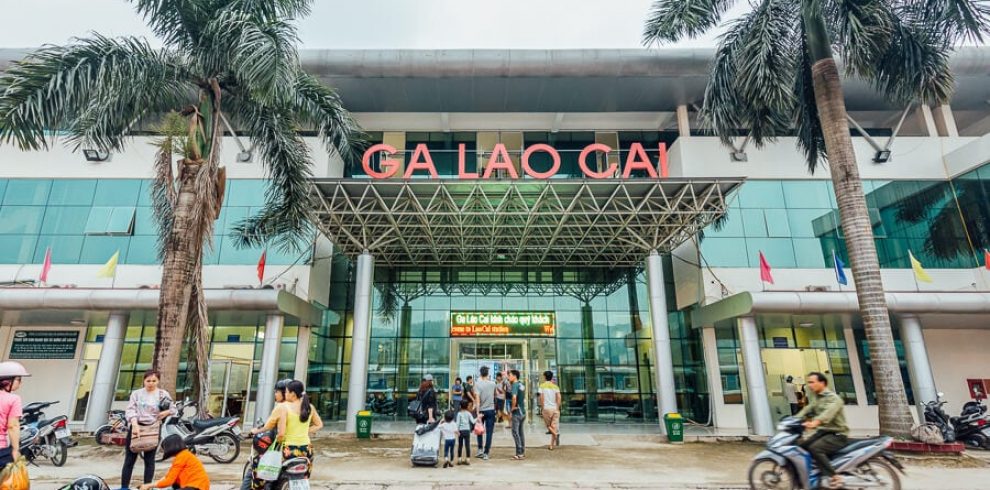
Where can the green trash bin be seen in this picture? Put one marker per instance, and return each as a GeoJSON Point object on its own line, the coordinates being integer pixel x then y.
{"type": "Point", "coordinates": [675, 427]}
{"type": "Point", "coordinates": [364, 424]}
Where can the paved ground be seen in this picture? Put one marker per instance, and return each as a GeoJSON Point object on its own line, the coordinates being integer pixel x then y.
{"type": "Point", "coordinates": [592, 462]}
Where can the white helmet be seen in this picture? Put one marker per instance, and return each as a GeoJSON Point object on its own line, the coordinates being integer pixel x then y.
{"type": "Point", "coordinates": [12, 369]}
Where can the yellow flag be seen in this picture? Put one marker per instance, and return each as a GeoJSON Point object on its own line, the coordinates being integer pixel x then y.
{"type": "Point", "coordinates": [110, 268]}
{"type": "Point", "coordinates": [919, 272]}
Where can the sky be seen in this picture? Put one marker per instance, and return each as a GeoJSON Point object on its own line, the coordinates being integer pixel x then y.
{"type": "Point", "coordinates": [376, 24]}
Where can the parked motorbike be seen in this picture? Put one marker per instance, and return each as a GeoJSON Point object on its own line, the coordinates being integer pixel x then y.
{"type": "Point", "coordinates": [293, 471]}
{"type": "Point", "coordinates": [44, 438]}
{"type": "Point", "coordinates": [114, 432]}
{"type": "Point", "coordinates": [936, 415]}
{"type": "Point", "coordinates": [785, 465]}
{"type": "Point", "coordinates": [218, 438]}
{"type": "Point", "coordinates": [381, 405]}
{"type": "Point", "coordinates": [972, 426]}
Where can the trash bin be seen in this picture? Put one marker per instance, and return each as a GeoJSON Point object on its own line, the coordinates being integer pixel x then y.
{"type": "Point", "coordinates": [675, 427]}
{"type": "Point", "coordinates": [364, 424]}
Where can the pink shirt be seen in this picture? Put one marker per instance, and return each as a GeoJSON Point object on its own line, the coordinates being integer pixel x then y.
{"type": "Point", "coordinates": [10, 409]}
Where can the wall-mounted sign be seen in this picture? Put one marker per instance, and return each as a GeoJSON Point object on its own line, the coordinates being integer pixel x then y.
{"type": "Point", "coordinates": [421, 161]}
{"type": "Point", "coordinates": [503, 324]}
{"type": "Point", "coordinates": [44, 344]}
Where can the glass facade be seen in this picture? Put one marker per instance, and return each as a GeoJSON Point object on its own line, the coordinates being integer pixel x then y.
{"type": "Point", "coordinates": [85, 221]}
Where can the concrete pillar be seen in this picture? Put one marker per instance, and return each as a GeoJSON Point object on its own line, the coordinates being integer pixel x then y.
{"type": "Point", "coordinates": [919, 369]}
{"type": "Point", "coordinates": [683, 122]}
{"type": "Point", "coordinates": [107, 369]}
{"type": "Point", "coordinates": [945, 122]}
{"type": "Point", "coordinates": [302, 353]}
{"type": "Point", "coordinates": [268, 371]}
{"type": "Point", "coordinates": [854, 366]}
{"type": "Point", "coordinates": [709, 342]}
{"type": "Point", "coordinates": [666, 391]}
{"type": "Point", "coordinates": [357, 387]}
{"type": "Point", "coordinates": [757, 403]}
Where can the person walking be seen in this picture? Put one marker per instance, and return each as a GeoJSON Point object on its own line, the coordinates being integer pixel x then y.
{"type": "Point", "coordinates": [549, 399]}
{"type": "Point", "coordinates": [12, 374]}
{"type": "Point", "coordinates": [465, 422]}
{"type": "Point", "coordinates": [448, 429]}
{"type": "Point", "coordinates": [427, 397]}
{"type": "Point", "coordinates": [456, 394]}
{"type": "Point", "coordinates": [790, 392]}
{"type": "Point", "coordinates": [469, 393]}
{"type": "Point", "coordinates": [507, 412]}
{"type": "Point", "coordinates": [518, 394]}
{"type": "Point", "coordinates": [146, 406]}
{"type": "Point", "coordinates": [297, 421]}
{"type": "Point", "coordinates": [826, 416]}
{"type": "Point", "coordinates": [484, 389]}
{"type": "Point", "coordinates": [500, 392]}
{"type": "Point", "coordinates": [270, 424]}
{"type": "Point", "coordinates": [186, 472]}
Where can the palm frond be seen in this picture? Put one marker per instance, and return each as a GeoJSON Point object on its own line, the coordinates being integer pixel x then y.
{"type": "Point", "coordinates": [177, 22]}
{"type": "Point", "coordinates": [915, 65]}
{"type": "Point", "coordinates": [670, 20]}
{"type": "Point", "coordinates": [268, 10]}
{"type": "Point", "coordinates": [163, 187]}
{"type": "Point", "coordinates": [808, 126]}
{"type": "Point", "coordinates": [320, 106]}
{"type": "Point", "coordinates": [95, 89]}
{"type": "Point", "coordinates": [958, 20]}
{"type": "Point", "coordinates": [860, 31]}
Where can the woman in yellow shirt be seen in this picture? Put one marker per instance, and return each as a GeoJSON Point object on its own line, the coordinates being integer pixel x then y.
{"type": "Point", "coordinates": [298, 419]}
{"type": "Point", "coordinates": [272, 423]}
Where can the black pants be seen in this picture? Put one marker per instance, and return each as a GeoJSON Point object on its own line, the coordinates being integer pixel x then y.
{"type": "Point", "coordinates": [464, 442]}
{"type": "Point", "coordinates": [821, 445]}
{"type": "Point", "coordinates": [795, 408]}
{"type": "Point", "coordinates": [130, 458]}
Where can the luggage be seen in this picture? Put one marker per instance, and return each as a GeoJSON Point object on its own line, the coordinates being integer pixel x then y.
{"type": "Point", "coordinates": [426, 445]}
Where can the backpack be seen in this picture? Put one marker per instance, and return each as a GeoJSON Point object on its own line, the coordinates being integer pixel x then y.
{"type": "Point", "coordinates": [415, 408]}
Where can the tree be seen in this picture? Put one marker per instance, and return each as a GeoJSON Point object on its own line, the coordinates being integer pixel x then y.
{"type": "Point", "coordinates": [221, 62]}
{"type": "Point", "coordinates": [774, 74]}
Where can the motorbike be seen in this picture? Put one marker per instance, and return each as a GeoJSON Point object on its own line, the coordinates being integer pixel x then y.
{"type": "Point", "coordinates": [292, 475]}
{"type": "Point", "coordinates": [114, 432]}
{"type": "Point", "coordinates": [972, 426]}
{"type": "Point", "coordinates": [44, 438]}
{"type": "Point", "coordinates": [381, 405]}
{"type": "Point", "coordinates": [785, 465]}
{"type": "Point", "coordinates": [936, 415]}
{"type": "Point", "coordinates": [218, 438]}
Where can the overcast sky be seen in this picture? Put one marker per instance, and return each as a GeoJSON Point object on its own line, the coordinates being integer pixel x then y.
{"type": "Point", "coordinates": [368, 24]}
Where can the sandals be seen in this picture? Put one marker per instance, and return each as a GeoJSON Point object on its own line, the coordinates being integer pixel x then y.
{"type": "Point", "coordinates": [518, 457]}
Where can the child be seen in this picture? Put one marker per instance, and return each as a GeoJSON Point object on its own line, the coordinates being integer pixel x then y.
{"type": "Point", "coordinates": [448, 428]}
{"type": "Point", "coordinates": [186, 471]}
{"type": "Point", "coordinates": [465, 422]}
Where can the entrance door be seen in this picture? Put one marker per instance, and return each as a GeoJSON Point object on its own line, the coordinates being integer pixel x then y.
{"type": "Point", "coordinates": [781, 363]}
{"type": "Point", "coordinates": [531, 357]}
{"type": "Point", "coordinates": [230, 381]}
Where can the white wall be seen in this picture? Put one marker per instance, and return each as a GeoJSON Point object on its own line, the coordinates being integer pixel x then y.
{"type": "Point", "coordinates": [51, 379]}
{"type": "Point", "coordinates": [956, 355]}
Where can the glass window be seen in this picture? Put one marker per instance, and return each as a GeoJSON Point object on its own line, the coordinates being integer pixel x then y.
{"type": "Point", "coordinates": [144, 222]}
{"type": "Point", "coordinates": [65, 249]}
{"type": "Point", "coordinates": [117, 192]}
{"type": "Point", "coordinates": [17, 249]}
{"type": "Point", "coordinates": [754, 222]}
{"type": "Point", "coordinates": [777, 223]}
{"type": "Point", "coordinates": [778, 252]}
{"type": "Point", "coordinates": [808, 194]}
{"type": "Point", "coordinates": [808, 254]}
{"type": "Point", "coordinates": [246, 192]}
{"type": "Point", "coordinates": [121, 221]}
{"type": "Point", "coordinates": [99, 249]}
{"type": "Point", "coordinates": [99, 219]}
{"type": "Point", "coordinates": [64, 220]}
{"type": "Point", "coordinates": [801, 222]}
{"type": "Point", "coordinates": [72, 192]}
{"type": "Point", "coordinates": [26, 192]}
{"type": "Point", "coordinates": [143, 250]}
{"type": "Point", "coordinates": [732, 225]}
{"type": "Point", "coordinates": [25, 220]}
{"type": "Point", "coordinates": [725, 252]}
{"type": "Point", "coordinates": [761, 194]}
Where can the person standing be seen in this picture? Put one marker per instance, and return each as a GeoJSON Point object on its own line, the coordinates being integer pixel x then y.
{"type": "Point", "coordinates": [550, 402]}
{"type": "Point", "coordinates": [456, 394]}
{"type": "Point", "coordinates": [500, 392]}
{"type": "Point", "coordinates": [518, 394]}
{"type": "Point", "coordinates": [484, 389]}
{"type": "Point", "coordinates": [465, 422]}
{"type": "Point", "coordinates": [11, 410]}
{"type": "Point", "coordinates": [146, 406]}
{"type": "Point", "coordinates": [469, 393]}
{"type": "Point", "coordinates": [448, 429]}
{"type": "Point", "coordinates": [298, 420]}
{"type": "Point", "coordinates": [790, 392]}
{"type": "Point", "coordinates": [427, 397]}
{"type": "Point", "coordinates": [826, 416]}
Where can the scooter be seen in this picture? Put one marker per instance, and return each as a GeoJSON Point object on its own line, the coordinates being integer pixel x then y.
{"type": "Point", "coordinates": [114, 432]}
{"type": "Point", "coordinates": [44, 438]}
{"type": "Point", "coordinates": [218, 438]}
{"type": "Point", "coordinates": [935, 415]}
{"type": "Point", "coordinates": [972, 426]}
{"type": "Point", "coordinates": [293, 473]}
{"type": "Point", "coordinates": [785, 465]}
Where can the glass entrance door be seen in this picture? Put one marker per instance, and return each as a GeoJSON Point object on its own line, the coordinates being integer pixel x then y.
{"type": "Point", "coordinates": [530, 356]}
{"type": "Point", "coordinates": [781, 363]}
{"type": "Point", "coordinates": [230, 381]}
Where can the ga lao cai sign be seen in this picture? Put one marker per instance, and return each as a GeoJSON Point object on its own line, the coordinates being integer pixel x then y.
{"type": "Point", "coordinates": [421, 161]}
{"type": "Point", "coordinates": [502, 324]}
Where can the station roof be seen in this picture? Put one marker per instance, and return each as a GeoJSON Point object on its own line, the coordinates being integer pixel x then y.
{"type": "Point", "coordinates": [602, 223]}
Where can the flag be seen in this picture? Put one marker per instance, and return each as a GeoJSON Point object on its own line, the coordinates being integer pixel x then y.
{"type": "Point", "coordinates": [840, 274]}
{"type": "Point", "coordinates": [919, 272]}
{"type": "Point", "coordinates": [765, 275]}
{"type": "Point", "coordinates": [110, 268]}
{"type": "Point", "coordinates": [47, 266]}
{"type": "Point", "coordinates": [261, 266]}
{"type": "Point", "coordinates": [986, 259]}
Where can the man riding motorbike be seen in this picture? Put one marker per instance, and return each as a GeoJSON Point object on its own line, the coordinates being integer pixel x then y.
{"type": "Point", "coordinates": [826, 416]}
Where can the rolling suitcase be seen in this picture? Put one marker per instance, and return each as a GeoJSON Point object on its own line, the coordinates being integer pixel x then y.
{"type": "Point", "coordinates": [426, 445]}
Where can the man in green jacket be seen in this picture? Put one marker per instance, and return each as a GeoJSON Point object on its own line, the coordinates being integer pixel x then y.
{"type": "Point", "coordinates": [826, 416]}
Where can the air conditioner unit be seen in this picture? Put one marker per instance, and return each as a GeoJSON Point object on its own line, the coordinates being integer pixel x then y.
{"type": "Point", "coordinates": [817, 289]}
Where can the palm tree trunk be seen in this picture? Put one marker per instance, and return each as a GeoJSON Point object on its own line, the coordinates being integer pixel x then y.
{"type": "Point", "coordinates": [895, 415]}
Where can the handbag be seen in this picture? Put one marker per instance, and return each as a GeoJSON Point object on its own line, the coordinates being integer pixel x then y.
{"type": "Point", "coordinates": [15, 476]}
{"type": "Point", "coordinates": [147, 438]}
{"type": "Point", "coordinates": [479, 427]}
{"type": "Point", "coordinates": [270, 463]}
{"type": "Point", "coordinates": [415, 408]}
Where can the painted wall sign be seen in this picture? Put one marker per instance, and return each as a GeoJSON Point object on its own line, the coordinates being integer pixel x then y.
{"type": "Point", "coordinates": [503, 324]}
{"type": "Point", "coordinates": [422, 162]}
{"type": "Point", "coordinates": [44, 344]}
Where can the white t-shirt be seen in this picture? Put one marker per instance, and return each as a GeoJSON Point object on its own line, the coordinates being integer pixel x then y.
{"type": "Point", "coordinates": [548, 391]}
{"type": "Point", "coordinates": [449, 430]}
{"type": "Point", "coordinates": [790, 392]}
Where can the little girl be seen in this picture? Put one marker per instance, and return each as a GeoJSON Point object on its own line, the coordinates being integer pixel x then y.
{"type": "Point", "coordinates": [465, 422]}
{"type": "Point", "coordinates": [448, 428]}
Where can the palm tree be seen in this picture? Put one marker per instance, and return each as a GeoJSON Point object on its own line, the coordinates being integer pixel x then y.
{"type": "Point", "coordinates": [221, 62]}
{"type": "Point", "coordinates": [774, 73]}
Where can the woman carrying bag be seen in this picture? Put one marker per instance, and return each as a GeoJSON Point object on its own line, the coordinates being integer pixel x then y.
{"type": "Point", "coordinates": [298, 420]}
{"type": "Point", "coordinates": [145, 411]}
{"type": "Point", "coordinates": [252, 481]}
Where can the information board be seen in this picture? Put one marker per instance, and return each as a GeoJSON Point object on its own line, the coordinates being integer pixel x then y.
{"type": "Point", "coordinates": [44, 344]}
{"type": "Point", "coordinates": [503, 324]}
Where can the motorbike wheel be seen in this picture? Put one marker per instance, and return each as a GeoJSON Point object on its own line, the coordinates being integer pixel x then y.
{"type": "Point", "coordinates": [879, 468]}
{"type": "Point", "coordinates": [766, 474]}
{"type": "Point", "coordinates": [61, 454]}
{"type": "Point", "coordinates": [101, 433]}
{"type": "Point", "coordinates": [229, 445]}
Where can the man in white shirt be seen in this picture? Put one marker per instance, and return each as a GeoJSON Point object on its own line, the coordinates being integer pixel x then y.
{"type": "Point", "coordinates": [550, 400]}
{"type": "Point", "coordinates": [790, 392]}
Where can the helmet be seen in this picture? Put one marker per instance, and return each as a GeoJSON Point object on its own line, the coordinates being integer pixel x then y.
{"type": "Point", "coordinates": [13, 369]}
{"type": "Point", "coordinates": [88, 482]}
{"type": "Point", "coordinates": [281, 384]}
{"type": "Point", "coordinates": [262, 440]}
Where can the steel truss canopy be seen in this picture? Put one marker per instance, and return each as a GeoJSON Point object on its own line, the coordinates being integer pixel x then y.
{"type": "Point", "coordinates": [525, 223]}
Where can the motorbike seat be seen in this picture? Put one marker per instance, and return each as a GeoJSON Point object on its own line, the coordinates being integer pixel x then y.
{"type": "Point", "coordinates": [200, 425]}
{"type": "Point", "coordinates": [854, 445]}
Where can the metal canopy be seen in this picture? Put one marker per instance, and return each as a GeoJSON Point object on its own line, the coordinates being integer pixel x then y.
{"type": "Point", "coordinates": [602, 223]}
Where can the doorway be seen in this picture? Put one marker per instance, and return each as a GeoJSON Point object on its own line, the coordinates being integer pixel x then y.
{"type": "Point", "coordinates": [781, 363]}
{"type": "Point", "coordinates": [531, 357]}
{"type": "Point", "coordinates": [230, 383]}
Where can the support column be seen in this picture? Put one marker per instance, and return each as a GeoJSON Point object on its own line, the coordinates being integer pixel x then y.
{"type": "Point", "coordinates": [666, 391]}
{"type": "Point", "coordinates": [852, 349]}
{"type": "Point", "coordinates": [302, 354]}
{"type": "Point", "coordinates": [757, 402]}
{"type": "Point", "coordinates": [683, 122]}
{"type": "Point", "coordinates": [927, 121]}
{"type": "Point", "coordinates": [107, 369]}
{"type": "Point", "coordinates": [268, 371]}
{"type": "Point", "coordinates": [945, 122]}
{"type": "Point", "coordinates": [357, 386]}
{"type": "Point", "coordinates": [709, 342]}
{"type": "Point", "coordinates": [919, 369]}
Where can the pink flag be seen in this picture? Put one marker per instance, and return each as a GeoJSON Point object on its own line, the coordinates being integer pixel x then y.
{"type": "Point", "coordinates": [765, 275]}
{"type": "Point", "coordinates": [47, 266]}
